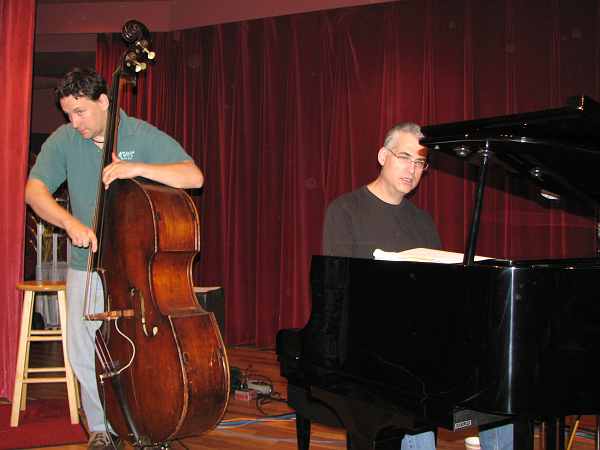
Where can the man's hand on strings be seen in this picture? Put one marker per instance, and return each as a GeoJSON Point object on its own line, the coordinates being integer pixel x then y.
{"type": "Point", "coordinates": [81, 236]}
{"type": "Point", "coordinates": [119, 170]}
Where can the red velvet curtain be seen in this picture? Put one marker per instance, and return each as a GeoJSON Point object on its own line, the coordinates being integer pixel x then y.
{"type": "Point", "coordinates": [284, 114]}
{"type": "Point", "coordinates": [17, 21]}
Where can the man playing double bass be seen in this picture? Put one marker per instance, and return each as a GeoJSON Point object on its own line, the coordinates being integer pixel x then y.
{"type": "Point", "coordinates": [74, 153]}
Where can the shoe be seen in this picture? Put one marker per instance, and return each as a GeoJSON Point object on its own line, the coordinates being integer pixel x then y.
{"type": "Point", "coordinates": [101, 440]}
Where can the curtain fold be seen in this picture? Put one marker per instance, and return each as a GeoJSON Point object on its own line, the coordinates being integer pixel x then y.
{"type": "Point", "coordinates": [17, 22]}
{"type": "Point", "coordinates": [284, 114]}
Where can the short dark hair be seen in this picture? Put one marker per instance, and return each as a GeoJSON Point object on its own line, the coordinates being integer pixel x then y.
{"type": "Point", "coordinates": [81, 83]}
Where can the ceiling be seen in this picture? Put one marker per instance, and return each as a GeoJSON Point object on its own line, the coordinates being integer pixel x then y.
{"type": "Point", "coordinates": [66, 34]}
{"type": "Point", "coordinates": [93, 1]}
{"type": "Point", "coordinates": [65, 38]}
{"type": "Point", "coordinates": [55, 64]}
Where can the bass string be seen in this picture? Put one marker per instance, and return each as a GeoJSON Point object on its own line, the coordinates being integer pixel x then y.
{"type": "Point", "coordinates": [90, 298]}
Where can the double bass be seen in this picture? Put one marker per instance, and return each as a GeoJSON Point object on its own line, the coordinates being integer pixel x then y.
{"type": "Point", "coordinates": [161, 364]}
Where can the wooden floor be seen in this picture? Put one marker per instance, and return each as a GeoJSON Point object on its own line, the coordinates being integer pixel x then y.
{"type": "Point", "coordinates": [268, 432]}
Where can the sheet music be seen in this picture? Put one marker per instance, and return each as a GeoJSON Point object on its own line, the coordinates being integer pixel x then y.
{"type": "Point", "coordinates": [424, 255]}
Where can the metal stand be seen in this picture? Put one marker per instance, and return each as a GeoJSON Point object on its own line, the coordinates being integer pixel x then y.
{"type": "Point", "coordinates": [469, 256]}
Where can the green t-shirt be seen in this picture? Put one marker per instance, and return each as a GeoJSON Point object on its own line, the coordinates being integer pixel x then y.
{"type": "Point", "coordinates": [66, 155]}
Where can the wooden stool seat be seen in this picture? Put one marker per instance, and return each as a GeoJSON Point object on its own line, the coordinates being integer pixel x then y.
{"type": "Point", "coordinates": [28, 335]}
{"type": "Point", "coordinates": [42, 286]}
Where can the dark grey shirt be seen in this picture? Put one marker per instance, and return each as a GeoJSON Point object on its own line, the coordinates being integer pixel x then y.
{"type": "Point", "coordinates": [359, 222]}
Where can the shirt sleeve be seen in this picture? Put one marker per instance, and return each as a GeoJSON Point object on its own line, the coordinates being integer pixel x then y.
{"type": "Point", "coordinates": [50, 165]}
{"type": "Point", "coordinates": [436, 241]}
{"type": "Point", "coordinates": [162, 148]}
{"type": "Point", "coordinates": [337, 231]}
{"type": "Point", "coordinates": [431, 232]}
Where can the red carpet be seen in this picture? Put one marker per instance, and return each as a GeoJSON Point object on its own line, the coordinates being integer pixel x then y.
{"type": "Point", "coordinates": [43, 423]}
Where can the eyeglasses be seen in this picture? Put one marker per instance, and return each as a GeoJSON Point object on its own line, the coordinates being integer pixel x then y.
{"type": "Point", "coordinates": [404, 158]}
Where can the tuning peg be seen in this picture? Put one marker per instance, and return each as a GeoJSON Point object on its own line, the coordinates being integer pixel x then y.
{"type": "Point", "coordinates": [149, 54]}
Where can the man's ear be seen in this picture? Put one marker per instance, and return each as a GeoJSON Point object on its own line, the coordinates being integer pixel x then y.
{"type": "Point", "coordinates": [104, 102]}
{"type": "Point", "coordinates": [382, 155]}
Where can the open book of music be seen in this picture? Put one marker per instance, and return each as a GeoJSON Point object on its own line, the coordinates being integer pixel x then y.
{"type": "Point", "coordinates": [424, 255]}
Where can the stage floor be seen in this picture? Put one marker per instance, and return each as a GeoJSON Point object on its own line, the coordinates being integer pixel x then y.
{"type": "Point", "coordinates": [265, 430]}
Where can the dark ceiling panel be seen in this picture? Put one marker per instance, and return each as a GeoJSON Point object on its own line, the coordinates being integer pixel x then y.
{"type": "Point", "coordinates": [56, 64]}
{"type": "Point", "coordinates": [92, 1]}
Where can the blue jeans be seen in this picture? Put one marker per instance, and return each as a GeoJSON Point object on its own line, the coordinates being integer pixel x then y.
{"type": "Point", "coordinates": [499, 438]}
{"type": "Point", "coordinates": [81, 340]}
{"type": "Point", "coordinates": [421, 441]}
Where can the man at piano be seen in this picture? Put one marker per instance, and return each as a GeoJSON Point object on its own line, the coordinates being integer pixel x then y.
{"type": "Point", "coordinates": [378, 216]}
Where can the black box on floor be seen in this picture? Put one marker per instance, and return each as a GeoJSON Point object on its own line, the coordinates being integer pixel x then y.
{"type": "Point", "coordinates": [211, 299]}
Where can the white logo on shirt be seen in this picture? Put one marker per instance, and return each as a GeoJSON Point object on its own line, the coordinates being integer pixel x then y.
{"type": "Point", "coordinates": [127, 156]}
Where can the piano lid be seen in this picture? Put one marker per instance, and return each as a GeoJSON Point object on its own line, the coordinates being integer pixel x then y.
{"type": "Point", "coordinates": [557, 148]}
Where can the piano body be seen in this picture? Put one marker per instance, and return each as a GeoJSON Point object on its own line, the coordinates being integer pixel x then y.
{"type": "Point", "coordinates": [404, 347]}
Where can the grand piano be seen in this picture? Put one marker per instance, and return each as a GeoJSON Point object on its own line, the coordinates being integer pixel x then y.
{"type": "Point", "coordinates": [404, 347]}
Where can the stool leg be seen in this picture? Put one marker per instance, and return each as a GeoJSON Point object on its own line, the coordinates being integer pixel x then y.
{"type": "Point", "coordinates": [77, 392]}
{"type": "Point", "coordinates": [22, 363]}
{"type": "Point", "coordinates": [27, 353]}
{"type": "Point", "coordinates": [71, 388]}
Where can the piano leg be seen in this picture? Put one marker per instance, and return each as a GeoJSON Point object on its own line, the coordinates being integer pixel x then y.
{"type": "Point", "coordinates": [523, 434]}
{"type": "Point", "coordinates": [597, 436]}
{"type": "Point", "coordinates": [302, 432]}
{"type": "Point", "coordinates": [554, 433]}
{"type": "Point", "coordinates": [355, 441]}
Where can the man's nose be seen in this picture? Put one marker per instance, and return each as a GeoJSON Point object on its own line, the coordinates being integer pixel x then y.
{"type": "Point", "coordinates": [74, 121]}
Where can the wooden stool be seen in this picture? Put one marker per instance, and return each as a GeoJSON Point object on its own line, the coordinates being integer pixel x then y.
{"type": "Point", "coordinates": [27, 335]}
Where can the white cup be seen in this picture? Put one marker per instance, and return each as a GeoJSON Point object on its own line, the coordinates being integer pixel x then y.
{"type": "Point", "coordinates": [472, 443]}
